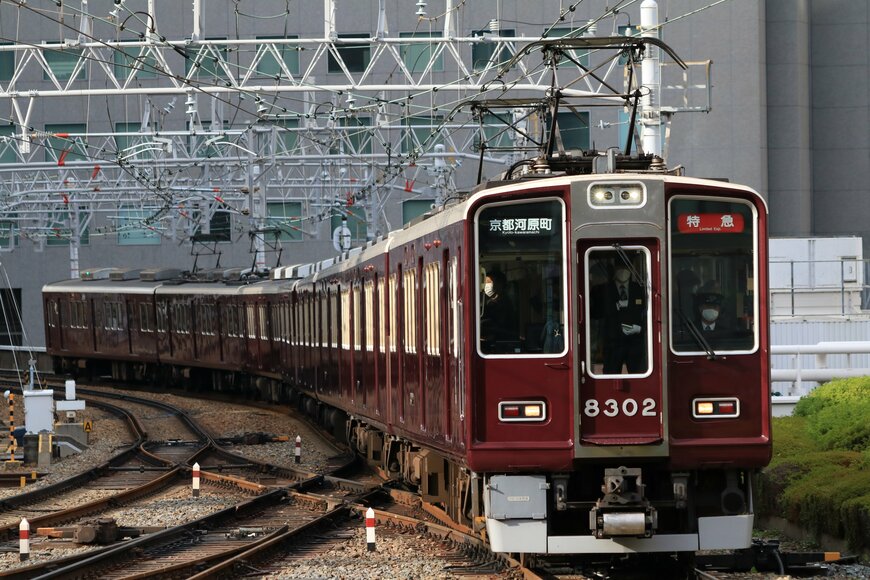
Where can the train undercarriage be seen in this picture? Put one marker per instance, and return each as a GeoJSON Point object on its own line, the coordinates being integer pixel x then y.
{"type": "Point", "coordinates": [605, 507]}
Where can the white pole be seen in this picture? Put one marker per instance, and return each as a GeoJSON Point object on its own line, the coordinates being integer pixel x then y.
{"type": "Point", "coordinates": [23, 540]}
{"type": "Point", "coordinates": [196, 480]}
{"type": "Point", "coordinates": [329, 20]}
{"type": "Point", "coordinates": [197, 20]}
{"type": "Point", "coordinates": [650, 103]}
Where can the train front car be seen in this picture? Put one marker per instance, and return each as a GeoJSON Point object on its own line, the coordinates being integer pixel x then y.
{"type": "Point", "coordinates": [620, 374]}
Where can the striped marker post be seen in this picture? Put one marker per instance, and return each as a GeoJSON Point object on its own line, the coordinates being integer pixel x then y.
{"type": "Point", "coordinates": [196, 480]}
{"type": "Point", "coordinates": [370, 529]}
{"type": "Point", "coordinates": [23, 540]}
{"type": "Point", "coordinates": [298, 450]}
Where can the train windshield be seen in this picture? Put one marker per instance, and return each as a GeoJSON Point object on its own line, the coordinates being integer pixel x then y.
{"type": "Point", "coordinates": [713, 276]}
{"type": "Point", "coordinates": [521, 284]}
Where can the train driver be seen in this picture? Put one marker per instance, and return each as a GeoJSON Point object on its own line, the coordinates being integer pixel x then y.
{"type": "Point", "coordinates": [621, 304]}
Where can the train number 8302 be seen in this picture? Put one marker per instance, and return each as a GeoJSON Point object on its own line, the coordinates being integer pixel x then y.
{"type": "Point", "coordinates": [612, 408]}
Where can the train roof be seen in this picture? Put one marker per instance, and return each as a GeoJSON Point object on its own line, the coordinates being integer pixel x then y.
{"type": "Point", "coordinates": [101, 287]}
{"type": "Point", "coordinates": [210, 288]}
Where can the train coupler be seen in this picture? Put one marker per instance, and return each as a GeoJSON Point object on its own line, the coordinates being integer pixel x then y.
{"type": "Point", "coordinates": [623, 511]}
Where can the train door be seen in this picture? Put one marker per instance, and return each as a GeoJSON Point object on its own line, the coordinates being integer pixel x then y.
{"type": "Point", "coordinates": [619, 340]}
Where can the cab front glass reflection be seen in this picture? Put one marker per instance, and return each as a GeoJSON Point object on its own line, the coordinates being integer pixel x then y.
{"type": "Point", "coordinates": [713, 276]}
{"type": "Point", "coordinates": [521, 280]}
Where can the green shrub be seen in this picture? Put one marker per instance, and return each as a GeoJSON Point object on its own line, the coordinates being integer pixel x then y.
{"type": "Point", "coordinates": [819, 476]}
{"type": "Point", "coordinates": [837, 414]}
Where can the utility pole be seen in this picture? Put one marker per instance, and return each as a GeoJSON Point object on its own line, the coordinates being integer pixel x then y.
{"type": "Point", "coordinates": [650, 103]}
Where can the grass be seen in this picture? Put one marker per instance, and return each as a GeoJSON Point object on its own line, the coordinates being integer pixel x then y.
{"type": "Point", "coordinates": [819, 476]}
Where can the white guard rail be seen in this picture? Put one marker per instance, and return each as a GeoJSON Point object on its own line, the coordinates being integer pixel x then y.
{"type": "Point", "coordinates": [783, 405]}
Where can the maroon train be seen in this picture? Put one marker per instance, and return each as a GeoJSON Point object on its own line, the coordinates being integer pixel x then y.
{"type": "Point", "coordinates": [619, 403]}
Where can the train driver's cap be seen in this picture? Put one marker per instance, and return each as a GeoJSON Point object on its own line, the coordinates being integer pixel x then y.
{"type": "Point", "coordinates": [711, 299]}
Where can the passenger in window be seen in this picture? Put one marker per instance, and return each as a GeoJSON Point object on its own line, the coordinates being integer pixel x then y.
{"type": "Point", "coordinates": [621, 306]}
{"type": "Point", "coordinates": [497, 315]}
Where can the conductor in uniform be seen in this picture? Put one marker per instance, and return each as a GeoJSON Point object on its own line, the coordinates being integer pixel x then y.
{"type": "Point", "coordinates": [621, 304]}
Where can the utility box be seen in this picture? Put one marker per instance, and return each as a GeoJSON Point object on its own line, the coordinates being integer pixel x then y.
{"type": "Point", "coordinates": [39, 410]}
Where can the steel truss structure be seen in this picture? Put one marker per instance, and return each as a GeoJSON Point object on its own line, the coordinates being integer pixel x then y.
{"type": "Point", "coordinates": [401, 123]}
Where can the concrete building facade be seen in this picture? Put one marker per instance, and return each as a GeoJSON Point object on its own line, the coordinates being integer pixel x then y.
{"type": "Point", "coordinates": [789, 117]}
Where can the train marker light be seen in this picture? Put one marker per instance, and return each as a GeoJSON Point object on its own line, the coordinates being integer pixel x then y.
{"type": "Point", "coordinates": [622, 195]}
{"type": "Point", "coordinates": [513, 411]}
{"type": "Point", "coordinates": [716, 408]}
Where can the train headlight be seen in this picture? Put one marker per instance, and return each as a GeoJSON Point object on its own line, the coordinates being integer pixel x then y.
{"type": "Point", "coordinates": [716, 408]}
{"type": "Point", "coordinates": [512, 411]}
{"type": "Point", "coordinates": [617, 195]}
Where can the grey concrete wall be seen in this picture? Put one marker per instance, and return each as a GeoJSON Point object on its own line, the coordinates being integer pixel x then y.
{"type": "Point", "coordinates": [739, 139]}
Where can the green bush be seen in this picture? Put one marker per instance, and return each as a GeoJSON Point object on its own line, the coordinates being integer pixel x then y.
{"type": "Point", "coordinates": [838, 414]}
{"type": "Point", "coordinates": [819, 476]}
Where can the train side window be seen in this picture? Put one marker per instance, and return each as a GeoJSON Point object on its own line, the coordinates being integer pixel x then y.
{"type": "Point", "coordinates": [394, 299]}
{"type": "Point", "coordinates": [369, 316]}
{"type": "Point", "coordinates": [161, 317]}
{"type": "Point", "coordinates": [144, 321]}
{"type": "Point", "coordinates": [433, 308]}
{"type": "Point", "coordinates": [345, 320]}
{"type": "Point", "coordinates": [410, 290]}
{"type": "Point", "coordinates": [382, 318]}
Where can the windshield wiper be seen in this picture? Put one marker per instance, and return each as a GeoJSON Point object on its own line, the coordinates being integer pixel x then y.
{"type": "Point", "coordinates": [699, 337]}
{"type": "Point", "coordinates": [632, 270]}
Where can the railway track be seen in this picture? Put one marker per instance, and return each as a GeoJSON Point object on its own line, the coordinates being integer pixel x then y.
{"type": "Point", "coordinates": [296, 516]}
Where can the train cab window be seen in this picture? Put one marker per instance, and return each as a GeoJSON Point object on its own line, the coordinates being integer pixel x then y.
{"type": "Point", "coordinates": [521, 287]}
{"type": "Point", "coordinates": [713, 298]}
{"type": "Point", "coordinates": [618, 307]}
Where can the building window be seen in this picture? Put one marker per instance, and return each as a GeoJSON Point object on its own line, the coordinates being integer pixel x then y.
{"type": "Point", "coordinates": [414, 208]}
{"type": "Point", "coordinates": [358, 133]}
{"type": "Point", "coordinates": [220, 228]}
{"type": "Point", "coordinates": [287, 135]}
{"type": "Point", "coordinates": [495, 131]}
{"type": "Point", "coordinates": [482, 52]}
{"type": "Point", "coordinates": [134, 58]}
{"type": "Point", "coordinates": [356, 55]}
{"type": "Point", "coordinates": [8, 142]}
{"type": "Point", "coordinates": [62, 62]}
{"type": "Point", "coordinates": [63, 146]}
{"type": "Point", "coordinates": [269, 64]}
{"type": "Point", "coordinates": [416, 56]}
{"type": "Point", "coordinates": [574, 129]}
{"type": "Point", "coordinates": [580, 56]}
{"type": "Point", "coordinates": [133, 228]}
{"type": "Point", "coordinates": [287, 217]}
{"type": "Point", "coordinates": [10, 324]}
{"type": "Point", "coordinates": [59, 232]}
{"type": "Point", "coordinates": [7, 63]}
{"type": "Point", "coordinates": [132, 146]}
{"type": "Point", "coordinates": [8, 235]}
{"type": "Point", "coordinates": [204, 62]}
{"type": "Point", "coordinates": [422, 134]}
